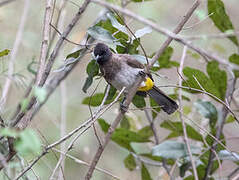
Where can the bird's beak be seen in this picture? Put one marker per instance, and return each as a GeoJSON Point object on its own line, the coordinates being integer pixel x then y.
{"type": "Point", "coordinates": [97, 57]}
{"type": "Point", "coordinates": [94, 57]}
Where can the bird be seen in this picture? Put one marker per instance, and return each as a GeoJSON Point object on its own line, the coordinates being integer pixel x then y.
{"type": "Point", "coordinates": [121, 70]}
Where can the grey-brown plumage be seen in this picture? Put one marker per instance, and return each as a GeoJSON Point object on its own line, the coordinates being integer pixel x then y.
{"type": "Point", "coordinates": [121, 70]}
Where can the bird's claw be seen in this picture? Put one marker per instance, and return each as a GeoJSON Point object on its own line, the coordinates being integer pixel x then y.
{"type": "Point", "coordinates": [142, 73]}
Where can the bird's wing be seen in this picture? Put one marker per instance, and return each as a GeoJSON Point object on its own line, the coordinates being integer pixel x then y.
{"type": "Point", "coordinates": [130, 61]}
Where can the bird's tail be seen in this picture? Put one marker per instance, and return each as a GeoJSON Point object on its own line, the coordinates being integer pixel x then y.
{"type": "Point", "coordinates": [166, 103]}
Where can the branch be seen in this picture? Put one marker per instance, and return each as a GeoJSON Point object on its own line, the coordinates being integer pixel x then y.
{"type": "Point", "coordinates": [221, 122]}
{"type": "Point", "coordinates": [45, 40]}
{"type": "Point", "coordinates": [137, 82]}
{"type": "Point", "coordinates": [25, 117]}
{"type": "Point", "coordinates": [6, 2]}
{"type": "Point", "coordinates": [181, 115]}
{"type": "Point", "coordinates": [168, 33]}
{"type": "Point", "coordinates": [87, 124]}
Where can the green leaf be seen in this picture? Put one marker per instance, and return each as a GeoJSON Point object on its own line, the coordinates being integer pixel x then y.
{"type": "Point", "coordinates": [204, 81]}
{"type": "Point", "coordinates": [146, 132]}
{"type": "Point", "coordinates": [230, 119]}
{"type": "Point", "coordinates": [101, 34]}
{"type": "Point", "coordinates": [5, 52]}
{"type": "Point", "coordinates": [116, 24]}
{"type": "Point", "coordinates": [129, 162]}
{"type": "Point", "coordinates": [75, 54]}
{"type": "Point", "coordinates": [87, 84]}
{"type": "Point", "coordinates": [220, 17]}
{"type": "Point", "coordinates": [208, 110]}
{"type": "Point", "coordinates": [124, 123]}
{"type": "Point", "coordinates": [94, 100]}
{"type": "Point", "coordinates": [40, 93]}
{"type": "Point", "coordinates": [141, 32]}
{"type": "Point", "coordinates": [183, 168]}
{"type": "Point", "coordinates": [145, 173]}
{"type": "Point", "coordinates": [123, 137]}
{"type": "Point", "coordinates": [154, 105]}
{"type": "Point", "coordinates": [104, 125]}
{"type": "Point", "coordinates": [177, 130]}
{"type": "Point", "coordinates": [164, 59]}
{"type": "Point", "coordinates": [226, 155]}
{"type": "Point", "coordinates": [8, 132]}
{"type": "Point", "coordinates": [139, 101]}
{"type": "Point", "coordinates": [92, 68]}
{"type": "Point", "coordinates": [130, 136]}
{"type": "Point", "coordinates": [28, 143]}
{"type": "Point", "coordinates": [112, 93]}
{"type": "Point", "coordinates": [173, 150]}
{"type": "Point", "coordinates": [234, 58]}
{"type": "Point", "coordinates": [218, 77]}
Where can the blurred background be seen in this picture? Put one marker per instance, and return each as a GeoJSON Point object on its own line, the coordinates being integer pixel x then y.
{"type": "Point", "coordinates": [47, 123]}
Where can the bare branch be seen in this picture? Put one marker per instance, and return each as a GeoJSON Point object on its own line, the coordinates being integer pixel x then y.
{"type": "Point", "coordinates": [220, 122]}
{"type": "Point", "coordinates": [45, 40]}
{"type": "Point", "coordinates": [25, 117]}
{"type": "Point", "coordinates": [3, 3]}
{"type": "Point", "coordinates": [181, 115]}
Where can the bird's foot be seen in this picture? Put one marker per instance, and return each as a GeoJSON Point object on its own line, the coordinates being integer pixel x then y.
{"type": "Point", "coordinates": [123, 107]}
{"type": "Point", "coordinates": [142, 73]}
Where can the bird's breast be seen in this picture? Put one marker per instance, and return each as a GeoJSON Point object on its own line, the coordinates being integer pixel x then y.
{"type": "Point", "coordinates": [125, 77]}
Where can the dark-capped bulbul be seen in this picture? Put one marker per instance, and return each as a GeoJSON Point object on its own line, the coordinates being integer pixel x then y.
{"type": "Point", "coordinates": [121, 70]}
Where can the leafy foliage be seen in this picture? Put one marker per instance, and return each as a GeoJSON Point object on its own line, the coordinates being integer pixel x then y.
{"type": "Point", "coordinates": [173, 150]}
{"type": "Point", "coordinates": [26, 142]}
{"type": "Point", "coordinates": [208, 110]}
{"type": "Point", "coordinates": [129, 162]}
{"type": "Point", "coordinates": [215, 84]}
{"type": "Point", "coordinates": [234, 58]}
{"type": "Point", "coordinates": [220, 17]}
{"type": "Point", "coordinates": [123, 137]}
{"type": "Point", "coordinates": [177, 130]}
{"type": "Point", "coordinates": [164, 60]}
{"type": "Point", "coordinates": [4, 52]}
{"type": "Point", "coordinates": [145, 173]}
{"type": "Point", "coordinates": [139, 101]}
{"type": "Point", "coordinates": [92, 71]}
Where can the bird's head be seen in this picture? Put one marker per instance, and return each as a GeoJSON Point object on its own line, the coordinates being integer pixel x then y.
{"type": "Point", "coordinates": [102, 53]}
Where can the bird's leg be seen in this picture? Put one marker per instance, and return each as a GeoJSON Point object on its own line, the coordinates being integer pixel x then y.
{"type": "Point", "coordinates": [142, 73]}
{"type": "Point", "coordinates": [123, 108]}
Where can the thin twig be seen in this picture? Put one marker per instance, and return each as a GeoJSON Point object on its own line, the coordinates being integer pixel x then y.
{"type": "Point", "coordinates": [220, 122]}
{"type": "Point", "coordinates": [3, 3]}
{"type": "Point", "coordinates": [85, 125]}
{"type": "Point", "coordinates": [85, 163]}
{"type": "Point", "coordinates": [25, 117]}
{"type": "Point", "coordinates": [136, 84]}
{"type": "Point", "coordinates": [181, 115]}
{"type": "Point", "coordinates": [13, 55]}
{"type": "Point", "coordinates": [192, 26]}
{"type": "Point", "coordinates": [45, 40]}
